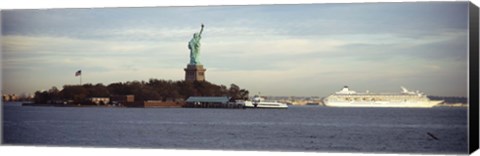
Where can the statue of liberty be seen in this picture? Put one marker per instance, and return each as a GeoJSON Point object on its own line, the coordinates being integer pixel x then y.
{"type": "Point", "coordinates": [194, 46]}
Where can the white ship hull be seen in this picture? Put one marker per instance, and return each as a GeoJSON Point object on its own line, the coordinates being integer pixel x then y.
{"type": "Point", "coordinates": [425, 104]}
{"type": "Point", "coordinates": [264, 104]}
{"type": "Point", "coordinates": [350, 98]}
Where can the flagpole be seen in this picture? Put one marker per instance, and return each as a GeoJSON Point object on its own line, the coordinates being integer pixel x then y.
{"type": "Point", "coordinates": [79, 73]}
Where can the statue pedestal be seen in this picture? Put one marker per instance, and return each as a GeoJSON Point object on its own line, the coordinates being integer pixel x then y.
{"type": "Point", "coordinates": [195, 73]}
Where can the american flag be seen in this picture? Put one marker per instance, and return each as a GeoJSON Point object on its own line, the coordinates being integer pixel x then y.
{"type": "Point", "coordinates": [78, 73]}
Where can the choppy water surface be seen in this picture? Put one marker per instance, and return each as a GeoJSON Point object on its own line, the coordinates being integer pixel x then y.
{"type": "Point", "coordinates": [308, 128]}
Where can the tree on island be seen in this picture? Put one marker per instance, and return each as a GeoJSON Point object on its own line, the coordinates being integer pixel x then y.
{"type": "Point", "coordinates": [46, 96]}
{"type": "Point", "coordinates": [154, 89]}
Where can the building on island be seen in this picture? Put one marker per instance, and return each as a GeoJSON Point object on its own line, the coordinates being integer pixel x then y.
{"type": "Point", "coordinates": [99, 100]}
{"type": "Point", "coordinates": [123, 100]}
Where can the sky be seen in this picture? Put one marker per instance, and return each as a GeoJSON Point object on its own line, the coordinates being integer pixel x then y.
{"type": "Point", "coordinates": [281, 50]}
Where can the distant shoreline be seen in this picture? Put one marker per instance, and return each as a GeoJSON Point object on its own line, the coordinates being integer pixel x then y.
{"type": "Point", "coordinates": [67, 105]}
{"type": "Point", "coordinates": [456, 105]}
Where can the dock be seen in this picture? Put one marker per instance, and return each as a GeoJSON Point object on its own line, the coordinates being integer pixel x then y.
{"type": "Point", "coordinates": [212, 102]}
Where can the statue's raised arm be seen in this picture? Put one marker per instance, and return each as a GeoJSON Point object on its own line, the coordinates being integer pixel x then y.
{"type": "Point", "coordinates": [201, 30]}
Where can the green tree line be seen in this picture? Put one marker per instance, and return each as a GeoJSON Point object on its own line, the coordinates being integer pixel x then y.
{"type": "Point", "coordinates": [154, 89]}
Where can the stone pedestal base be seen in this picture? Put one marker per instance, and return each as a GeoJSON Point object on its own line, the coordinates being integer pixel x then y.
{"type": "Point", "coordinates": [195, 73]}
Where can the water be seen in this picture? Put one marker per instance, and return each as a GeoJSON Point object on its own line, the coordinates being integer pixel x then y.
{"type": "Point", "coordinates": [308, 128]}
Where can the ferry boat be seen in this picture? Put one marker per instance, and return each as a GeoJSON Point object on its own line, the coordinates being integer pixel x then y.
{"type": "Point", "coordinates": [259, 102]}
{"type": "Point", "coordinates": [350, 98]}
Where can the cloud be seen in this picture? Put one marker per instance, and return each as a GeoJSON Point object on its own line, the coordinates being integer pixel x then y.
{"type": "Point", "coordinates": [53, 60]}
{"type": "Point", "coordinates": [273, 49]}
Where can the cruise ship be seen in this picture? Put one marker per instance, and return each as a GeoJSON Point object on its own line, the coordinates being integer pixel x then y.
{"type": "Point", "coordinates": [259, 102]}
{"type": "Point", "coordinates": [350, 98]}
